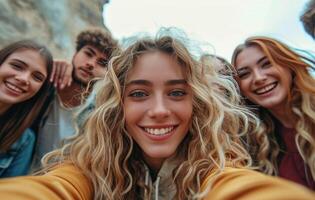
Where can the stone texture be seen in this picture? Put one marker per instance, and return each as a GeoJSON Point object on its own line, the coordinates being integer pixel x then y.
{"type": "Point", "coordinates": [52, 22]}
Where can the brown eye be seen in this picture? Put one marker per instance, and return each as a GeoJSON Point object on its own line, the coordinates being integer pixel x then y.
{"type": "Point", "coordinates": [17, 66]}
{"type": "Point", "coordinates": [266, 64]}
{"type": "Point", "coordinates": [38, 77]}
{"type": "Point", "coordinates": [89, 54]}
{"type": "Point", "coordinates": [242, 73]}
{"type": "Point", "coordinates": [102, 63]}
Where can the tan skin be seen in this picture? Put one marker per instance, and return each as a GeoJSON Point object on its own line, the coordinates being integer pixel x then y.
{"type": "Point", "coordinates": [265, 84]}
{"type": "Point", "coordinates": [21, 76]}
{"type": "Point", "coordinates": [157, 106]}
{"type": "Point", "coordinates": [88, 63]}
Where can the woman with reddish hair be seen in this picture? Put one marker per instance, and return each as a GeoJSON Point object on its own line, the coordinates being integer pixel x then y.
{"type": "Point", "coordinates": [277, 83]}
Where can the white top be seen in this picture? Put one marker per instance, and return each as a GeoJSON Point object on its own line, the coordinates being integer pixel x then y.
{"type": "Point", "coordinates": [58, 126]}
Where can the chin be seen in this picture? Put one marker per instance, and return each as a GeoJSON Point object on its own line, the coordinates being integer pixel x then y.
{"type": "Point", "coordinates": [272, 105]}
{"type": "Point", "coordinates": [160, 154]}
{"type": "Point", "coordinates": [80, 80]}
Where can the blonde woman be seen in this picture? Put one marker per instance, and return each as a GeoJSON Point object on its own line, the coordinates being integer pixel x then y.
{"type": "Point", "coordinates": [159, 130]}
{"type": "Point", "coordinates": [277, 83]}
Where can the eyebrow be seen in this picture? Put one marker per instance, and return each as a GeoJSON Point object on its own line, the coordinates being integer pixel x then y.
{"type": "Point", "coordinates": [91, 50]}
{"type": "Point", "coordinates": [139, 82]}
{"type": "Point", "coordinates": [148, 83]}
{"type": "Point", "coordinates": [20, 61]}
{"type": "Point", "coordinates": [176, 82]}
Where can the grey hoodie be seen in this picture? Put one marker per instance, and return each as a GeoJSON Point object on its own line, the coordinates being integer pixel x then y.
{"type": "Point", "coordinates": [163, 188]}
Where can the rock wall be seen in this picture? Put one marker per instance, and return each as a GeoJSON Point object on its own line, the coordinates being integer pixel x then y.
{"type": "Point", "coordinates": [52, 22]}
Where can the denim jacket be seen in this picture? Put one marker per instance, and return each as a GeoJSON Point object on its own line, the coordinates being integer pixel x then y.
{"type": "Point", "coordinates": [16, 161]}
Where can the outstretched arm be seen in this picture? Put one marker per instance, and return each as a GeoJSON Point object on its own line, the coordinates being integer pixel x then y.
{"type": "Point", "coordinates": [244, 184]}
{"type": "Point", "coordinates": [65, 182]}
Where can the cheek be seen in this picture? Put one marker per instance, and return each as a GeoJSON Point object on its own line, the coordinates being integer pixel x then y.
{"type": "Point", "coordinates": [78, 59]}
{"type": "Point", "coordinates": [184, 110]}
{"type": "Point", "coordinates": [244, 86]}
{"type": "Point", "coordinates": [132, 112]}
{"type": "Point", "coordinates": [100, 71]}
{"type": "Point", "coordinates": [287, 78]}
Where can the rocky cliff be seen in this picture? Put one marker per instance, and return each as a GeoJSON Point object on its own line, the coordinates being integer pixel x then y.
{"type": "Point", "coordinates": [52, 22]}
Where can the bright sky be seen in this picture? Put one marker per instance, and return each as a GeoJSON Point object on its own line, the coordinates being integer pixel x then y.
{"type": "Point", "coordinates": [223, 24]}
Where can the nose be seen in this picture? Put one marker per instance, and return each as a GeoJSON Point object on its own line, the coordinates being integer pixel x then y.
{"type": "Point", "coordinates": [91, 64]}
{"type": "Point", "coordinates": [259, 76]}
{"type": "Point", "coordinates": [159, 109]}
{"type": "Point", "coordinates": [23, 78]}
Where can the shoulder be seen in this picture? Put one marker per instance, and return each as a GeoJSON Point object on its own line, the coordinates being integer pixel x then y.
{"type": "Point", "coordinates": [27, 138]}
{"type": "Point", "coordinates": [232, 183]}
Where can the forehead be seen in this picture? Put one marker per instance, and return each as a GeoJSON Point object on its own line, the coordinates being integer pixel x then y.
{"type": "Point", "coordinates": [249, 56]}
{"type": "Point", "coordinates": [156, 66]}
{"type": "Point", "coordinates": [32, 58]}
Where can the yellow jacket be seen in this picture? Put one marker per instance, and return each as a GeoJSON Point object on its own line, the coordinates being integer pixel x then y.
{"type": "Point", "coordinates": [68, 182]}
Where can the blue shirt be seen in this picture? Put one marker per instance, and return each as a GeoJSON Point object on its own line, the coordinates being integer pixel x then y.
{"type": "Point", "coordinates": [17, 160]}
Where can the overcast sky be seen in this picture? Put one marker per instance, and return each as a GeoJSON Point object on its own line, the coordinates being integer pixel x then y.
{"type": "Point", "coordinates": [222, 24]}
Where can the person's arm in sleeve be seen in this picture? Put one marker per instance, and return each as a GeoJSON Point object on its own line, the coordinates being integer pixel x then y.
{"type": "Point", "coordinates": [66, 182]}
{"type": "Point", "coordinates": [243, 184]}
{"type": "Point", "coordinates": [22, 159]}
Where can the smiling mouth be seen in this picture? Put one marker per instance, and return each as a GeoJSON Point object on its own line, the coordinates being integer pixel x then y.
{"type": "Point", "coordinates": [266, 88]}
{"type": "Point", "coordinates": [14, 88]}
{"type": "Point", "coordinates": [159, 131]}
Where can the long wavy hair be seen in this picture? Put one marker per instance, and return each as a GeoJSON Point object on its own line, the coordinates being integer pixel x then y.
{"type": "Point", "coordinates": [301, 100]}
{"type": "Point", "coordinates": [109, 157]}
{"type": "Point", "coordinates": [21, 115]}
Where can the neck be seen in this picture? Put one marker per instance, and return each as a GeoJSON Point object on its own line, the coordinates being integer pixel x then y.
{"type": "Point", "coordinates": [285, 116]}
{"type": "Point", "coordinates": [72, 96]}
{"type": "Point", "coordinates": [154, 164]}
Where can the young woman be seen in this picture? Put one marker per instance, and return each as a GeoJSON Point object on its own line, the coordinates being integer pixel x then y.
{"type": "Point", "coordinates": [24, 68]}
{"type": "Point", "coordinates": [277, 82]}
{"type": "Point", "coordinates": [159, 130]}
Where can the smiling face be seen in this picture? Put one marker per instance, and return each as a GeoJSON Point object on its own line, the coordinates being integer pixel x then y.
{"type": "Point", "coordinates": [21, 76]}
{"type": "Point", "coordinates": [262, 82]}
{"type": "Point", "coordinates": [88, 63]}
{"type": "Point", "coordinates": [157, 106]}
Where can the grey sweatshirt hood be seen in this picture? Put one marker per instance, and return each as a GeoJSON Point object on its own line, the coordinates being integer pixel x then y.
{"type": "Point", "coordinates": [163, 188]}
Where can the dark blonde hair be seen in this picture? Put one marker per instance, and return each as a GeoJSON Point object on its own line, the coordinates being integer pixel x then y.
{"type": "Point", "coordinates": [107, 154]}
{"type": "Point", "coordinates": [301, 99]}
{"type": "Point", "coordinates": [21, 115]}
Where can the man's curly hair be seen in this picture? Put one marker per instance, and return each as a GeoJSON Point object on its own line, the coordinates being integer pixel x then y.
{"type": "Point", "coordinates": [308, 18]}
{"type": "Point", "coordinates": [99, 38]}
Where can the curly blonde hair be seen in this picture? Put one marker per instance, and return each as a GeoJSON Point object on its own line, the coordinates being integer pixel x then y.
{"type": "Point", "coordinates": [107, 154]}
{"type": "Point", "coordinates": [301, 100]}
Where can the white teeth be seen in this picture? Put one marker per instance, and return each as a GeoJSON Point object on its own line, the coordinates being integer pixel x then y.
{"type": "Point", "coordinates": [13, 87]}
{"type": "Point", "coordinates": [266, 89]}
{"type": "Point", "coordinates": [159, 131]}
